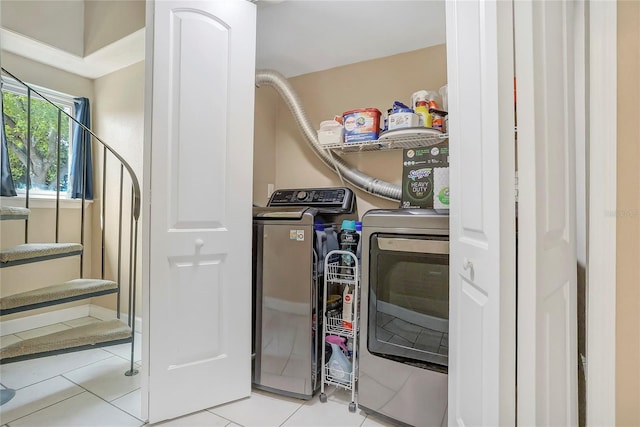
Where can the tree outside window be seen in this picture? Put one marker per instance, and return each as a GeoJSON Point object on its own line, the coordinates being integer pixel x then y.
{"type": "Point", "coordinates": [44, 142]}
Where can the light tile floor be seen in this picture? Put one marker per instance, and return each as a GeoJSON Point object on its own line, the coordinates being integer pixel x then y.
{"type": "Point", "coordinates": [89, 388]}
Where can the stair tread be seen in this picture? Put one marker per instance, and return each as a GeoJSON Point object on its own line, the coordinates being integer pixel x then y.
{"type": "Point", "coordinates": [13, 212]}
{"type": "Point", "coordinates": [38, 250]}
{"type": "Point", "coordinates": [91, 334]}
{"type": "Point", "coordinates": [72, 288]}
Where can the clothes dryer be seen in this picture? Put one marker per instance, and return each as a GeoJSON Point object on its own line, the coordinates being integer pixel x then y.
{"type": "Point", "coordinates": [404, 325]}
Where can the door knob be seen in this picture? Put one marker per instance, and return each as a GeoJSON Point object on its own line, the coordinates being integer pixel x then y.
{"type": "Point", "coordinates": [467, 264]}
{"type": "Point", "coordinates": [199, 243]}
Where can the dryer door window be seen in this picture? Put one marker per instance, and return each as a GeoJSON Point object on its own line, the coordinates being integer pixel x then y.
{"type": "Point", "coordinates": [409, 299]}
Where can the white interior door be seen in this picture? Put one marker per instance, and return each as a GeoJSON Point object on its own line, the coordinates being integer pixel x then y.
{"type": "Point", "coordinates": [198, 172]}
{"type": "Point", "coordinates": [547, 334]}
{"type": "Point", "coordinates": [482, 293]}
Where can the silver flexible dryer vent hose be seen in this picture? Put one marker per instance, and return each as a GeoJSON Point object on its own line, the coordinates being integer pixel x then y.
{"type": "Point", "coordinates": [364, 182]}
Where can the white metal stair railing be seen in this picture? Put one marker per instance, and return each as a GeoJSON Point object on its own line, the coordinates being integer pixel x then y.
{"type": "Point", "coordinates": [116, 211]}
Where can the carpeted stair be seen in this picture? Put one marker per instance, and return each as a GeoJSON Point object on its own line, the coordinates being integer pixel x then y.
{"type": "Point", "coordinates": [11, 212]}
{"type": "Point", "coordinates": [56, 294]}
{"type": "Point", "coordinates": [93, 335]}
{"type": "Point", "coordinates": [35, 252]}
{"type": "Point", "coordinates": [82, 337]}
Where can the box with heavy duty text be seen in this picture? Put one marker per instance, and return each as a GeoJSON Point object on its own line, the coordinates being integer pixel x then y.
{"type": "Point", "coordinates": [425, 177]}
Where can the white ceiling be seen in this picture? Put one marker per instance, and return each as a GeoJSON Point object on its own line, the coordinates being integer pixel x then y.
{"type": "Point", "coordinates": [303, 36]}
{"type": "Point", "coordinates": [293, 37]}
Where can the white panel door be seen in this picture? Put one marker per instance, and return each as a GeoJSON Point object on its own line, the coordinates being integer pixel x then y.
{"type": "Point", "coordinates": [547, 337]}
{"type": "Point", "coordinates": [199, 238]}
{"type": "Point", "coordinates": [482, 218]}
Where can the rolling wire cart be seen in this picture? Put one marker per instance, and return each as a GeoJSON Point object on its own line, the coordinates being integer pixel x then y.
{"type": "Point", "coordinates": [338, 276]}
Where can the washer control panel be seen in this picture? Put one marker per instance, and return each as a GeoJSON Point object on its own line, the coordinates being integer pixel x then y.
{"type": "Point", "coordinates": [333, 198]}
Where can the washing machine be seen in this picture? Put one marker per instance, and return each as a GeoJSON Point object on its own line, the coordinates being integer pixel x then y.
{"type": "Point", "coordinates": [290, 236]}
{"type": "Point", "coordinates": [404, 325]}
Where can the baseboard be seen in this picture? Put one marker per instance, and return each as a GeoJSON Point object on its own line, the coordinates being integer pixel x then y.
{"type": "Point", "coordinates": [15, 326]}
{"type": "Point", "coordinates": [22, 324]}
{"type": "Point", "coordinates": [281, 306]}
{"type": "Point", "coordinates": [103, 313]}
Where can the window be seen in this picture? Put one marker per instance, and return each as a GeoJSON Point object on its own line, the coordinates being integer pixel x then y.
{"type": "Point", "coordinates": [45, 131]}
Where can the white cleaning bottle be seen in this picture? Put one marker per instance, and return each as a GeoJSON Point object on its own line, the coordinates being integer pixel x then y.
{"type": "Point", "coordinates": [339, 366]}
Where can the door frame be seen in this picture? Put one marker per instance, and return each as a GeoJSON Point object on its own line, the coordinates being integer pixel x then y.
{"type": "Point", "coordinates": [601, 297]}
{"type": "Point", "coordinates": [602, 185]}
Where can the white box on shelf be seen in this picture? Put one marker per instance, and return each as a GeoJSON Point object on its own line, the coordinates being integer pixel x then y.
{"type": "Point", "coordinates": [403, 120]}
{"type": "Point", "coordinates": [331, 133]}
{"type": "Point", "coordinates": [331, 137]}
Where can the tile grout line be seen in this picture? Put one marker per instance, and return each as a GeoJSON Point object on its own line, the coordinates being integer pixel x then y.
{"type": "Point", "coordinates": [109, 403]}
{"type": "Point", "coordinates": [61, 374]}
{"type": "Point", "coordinates": [46, 407]}
{"type": "Point", "coordinates": [37, 382]}
{"type": "Point", "coordinates": [126, 394]}
{"type": "Point", "coordinates": [88, 364]}
{"type": "Point", "coordinates": [224, 418]}
{"type": "Point", "coordinates": [293, 413]}
{"type": "Point", "coordinates": [99, 397]}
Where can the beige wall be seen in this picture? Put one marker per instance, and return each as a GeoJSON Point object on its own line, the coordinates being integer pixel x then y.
{"type": "Point", "coordinates": [43, 75]}
{"type": "Point", "coordinates": [119, 121]}
{"type": "Point", "coordinates": [57, 23]}
{"type": "Point", "coordinates": [376, 83]}
{"type": "Point", "coordinates": [107, 21]}
{"type": "Point", "coordinates": [264, 144]}
{"type": "Point", "coordinates": [628, 219]}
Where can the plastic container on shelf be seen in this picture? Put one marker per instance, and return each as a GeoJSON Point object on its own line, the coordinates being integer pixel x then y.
{"type": "Point", "coordinates": [438, 119]}
{"type": "Point", "coordinates": [361, 125]}
{"type": "Point", "coordinates": [330, 133]}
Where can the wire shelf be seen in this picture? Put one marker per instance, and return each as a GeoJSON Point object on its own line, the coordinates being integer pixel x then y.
{"type": "Point", "coordinates": [339, 378]}
{"type": "Point", "coordinates": [338, 326]}
{"type": "Point", "coordinates": [338, 273]}
{"type": "Point", "coordinates": [415, 137]}
{"type": "Point", "coordinates": [411, 138]}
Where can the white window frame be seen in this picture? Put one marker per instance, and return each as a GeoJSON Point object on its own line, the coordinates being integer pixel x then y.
{"type": "Point", "coordinates": [59, 98]}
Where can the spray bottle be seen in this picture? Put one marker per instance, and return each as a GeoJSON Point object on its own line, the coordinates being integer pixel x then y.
{"type": "Point", "coordinates": [339, 365]}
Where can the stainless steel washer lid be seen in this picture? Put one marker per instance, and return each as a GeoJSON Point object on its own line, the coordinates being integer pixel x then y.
{"type": "Point", "coordinates": [395, 219]}
{"type": "Point", "coordinates": [282, 212]}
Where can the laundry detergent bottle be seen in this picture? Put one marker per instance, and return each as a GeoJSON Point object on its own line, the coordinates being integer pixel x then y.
{"type": "Point", "coordinates": [339, 365]}
{"type": "Point", "coordinates": [348, 238]}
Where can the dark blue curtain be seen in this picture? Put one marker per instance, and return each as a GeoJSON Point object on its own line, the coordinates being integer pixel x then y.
{"type": "Point", "coordinates": [81, 152]}
{"type": "Point", "coordinates": [6, 187]}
